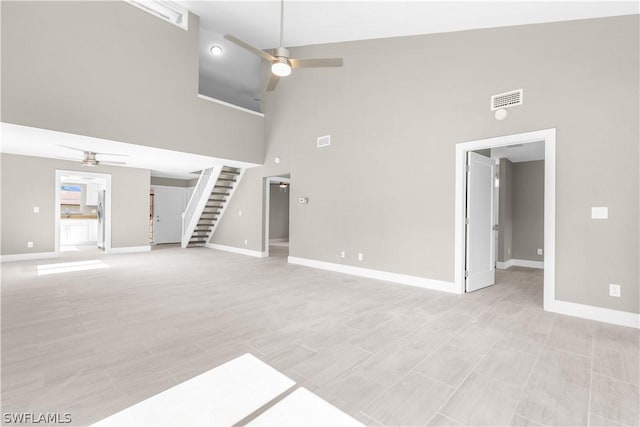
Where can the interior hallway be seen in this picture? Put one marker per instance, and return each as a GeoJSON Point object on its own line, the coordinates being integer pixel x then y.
{"type": "Point", "coordinates": [97, 341]}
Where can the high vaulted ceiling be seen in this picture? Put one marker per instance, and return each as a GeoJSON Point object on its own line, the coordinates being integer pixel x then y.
{"type": "Point", "coordinates": [235, 75]}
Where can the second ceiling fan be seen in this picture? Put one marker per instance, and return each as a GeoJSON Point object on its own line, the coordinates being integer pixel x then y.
{"type": "Point", "coordinates": [281, 61]}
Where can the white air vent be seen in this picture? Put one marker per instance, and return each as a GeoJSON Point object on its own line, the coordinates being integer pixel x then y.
{"type": "Point", "coordinates": [506, 100]}
{"type": "Point", "coordinates": [166, 10]}
{"type": "Point", "coordinates": [324, 141]}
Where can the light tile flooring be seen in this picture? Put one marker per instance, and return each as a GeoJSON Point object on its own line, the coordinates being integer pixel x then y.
{"type": "Point", "coordinates": [94, 342]}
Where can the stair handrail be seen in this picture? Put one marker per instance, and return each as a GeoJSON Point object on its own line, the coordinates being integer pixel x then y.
{"type": "Point", "coordinates": [198, 201]}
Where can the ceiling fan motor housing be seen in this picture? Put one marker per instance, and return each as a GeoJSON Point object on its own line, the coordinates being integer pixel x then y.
{"type": "Point", "coordinates": [282, 52]}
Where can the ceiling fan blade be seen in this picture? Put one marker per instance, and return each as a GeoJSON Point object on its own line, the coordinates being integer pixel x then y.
{"type": "Point", "coordinates": [91, 151]}
{"type": "Point", "coordinates": [99, 153]}
{"type": "Point", "coordinates": [71, 148]}
{"type": "Point", "coordinates": [315, 62]}
{"type": "Point", "coordinates": [68, 158]}
{"type": "Point", "coordinates": [111, 163]}
{"type": "Point", "coordinates": [273, 82]}
{"type": "Point", "coordinates": [250, 48]}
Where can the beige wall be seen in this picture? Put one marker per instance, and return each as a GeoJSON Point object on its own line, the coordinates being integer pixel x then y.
{"type": "Point", "coordinates": [27, 182]}
{"type": "Point", "coordinates": [505, 204]}
{"type": "Point", "coordinates": [385, 187]}
{"type": "Point", "coordinates": [171, 182]}
{"type": "Point", "coordinates": [110, 70]}
{"type": "Point", "coordinates": [279, 212]}
{"type": "Point", "coordinates": [528, 210]}
{"type": "Point", "coordinates": [521, 210]}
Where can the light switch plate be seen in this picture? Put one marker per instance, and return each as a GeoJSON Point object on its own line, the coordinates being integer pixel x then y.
{"type": "Point", "coordinates": [614, 290]}
{"type": "Point", "coordinates": [600, 212]}
{"type": "Point", "coordinates": [539, 251]}
{"type": "Point", "coordinates": [360, 256]}
{"type": "Point", "coordinates": [36, 209]}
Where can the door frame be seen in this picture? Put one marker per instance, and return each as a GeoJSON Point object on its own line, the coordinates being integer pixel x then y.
{"type": "Point", "coordinates": [107, 218]}
{"type": "Point", "coordinates": [548, 136]}
{"type": "Point", "coordinates": [267, 201]}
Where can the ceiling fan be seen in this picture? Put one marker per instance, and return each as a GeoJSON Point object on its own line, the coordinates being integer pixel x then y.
{"type": "Point", "coordinates": [89, 158]}
{"type": "Point", "coordinates": [281, 61]}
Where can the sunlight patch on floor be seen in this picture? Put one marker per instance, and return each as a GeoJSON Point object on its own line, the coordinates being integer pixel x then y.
{"type": "Point", "coordinates": [228, 394]}
{"type": "Point", "coordinates": [66, 267]}
{"type": "Point", "coordinates": [303, 408]}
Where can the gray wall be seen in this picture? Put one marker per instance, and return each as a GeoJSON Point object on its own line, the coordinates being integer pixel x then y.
{"type": "Point", "coordinates": [30, 181]}
{"type": "Point", "coordinates": [110, 70]}
{"type": "Point", "coordinates": [385, 187]}
{"type": "Point", "coordinates": [505, 204]}
{"type": "Point", "coordinates": [528, 210]}
{"type": "Point", "coordinates": [279, 212]}
{"type": "Point", "coordinates": [521, 210]}
{"type": "Point", "coordinates": [171, 182]}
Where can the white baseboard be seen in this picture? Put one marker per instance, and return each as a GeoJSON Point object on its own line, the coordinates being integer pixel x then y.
{"type": "Point", "coordinates": [29, 256]}
{"type": "Point", "coordinates": [129, 249]}
{"type": "Point", "coordinates": [519, 263]}
{"type": "Point", "coordinates": [607, 315]}
{"type": "Point", "coordinates": [235, 250]}
{"type": "Point", "coordinates": [421, 282]}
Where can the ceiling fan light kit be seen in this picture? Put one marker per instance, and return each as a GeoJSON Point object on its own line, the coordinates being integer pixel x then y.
{"type": "Point", "coordinates": [281, 68]}
{"type": "Point", "coordinates": [281, 62]}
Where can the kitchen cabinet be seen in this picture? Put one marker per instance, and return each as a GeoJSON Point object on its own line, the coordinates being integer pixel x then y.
{"type": "Point", "coordinates": [78, 231]}
{"type": "Point", "coordinates": [91, 198]}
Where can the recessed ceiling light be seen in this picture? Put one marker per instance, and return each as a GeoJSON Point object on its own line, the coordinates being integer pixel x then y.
{"type": "Point", "coordinates": [216, 50]}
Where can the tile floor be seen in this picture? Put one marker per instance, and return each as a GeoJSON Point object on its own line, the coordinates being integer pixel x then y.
{"type": "Point", "coordinates": [94, 342]}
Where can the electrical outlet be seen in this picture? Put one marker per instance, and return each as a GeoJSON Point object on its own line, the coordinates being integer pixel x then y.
{"type": "Point", "coordinates": [539, 251]}
{"type": "Point", "coordinates": [36, 209]}
{"type": "Point", "coordinates": [246, 242]}
{"type": "Point", "coordinates": [360, 256]}
{"type": "Point", "coordinates": [29, 244]}
{"type": "Point", "coordinates": [614, 290]}
{"type": "Point", "coordinates": [342, 254]}
{"type": "Point", "coordinates": [239, 213]}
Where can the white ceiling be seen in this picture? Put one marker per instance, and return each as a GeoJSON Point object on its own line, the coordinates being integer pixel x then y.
{"type": "Point", "coordinates": [236, 74]}
{"type": "Point", "coordinates": [28, 141]}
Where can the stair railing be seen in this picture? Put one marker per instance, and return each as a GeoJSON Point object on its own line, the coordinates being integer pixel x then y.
{"type": "Point", "coordinates": [197, 202]}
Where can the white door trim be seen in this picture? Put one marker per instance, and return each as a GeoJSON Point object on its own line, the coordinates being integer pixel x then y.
{"type": "Point", "coordinates": [267, 201]}
{"type": "Point", "coordinates": [549, 138]}
{"type": "Point", "coordinates": [107, 222]}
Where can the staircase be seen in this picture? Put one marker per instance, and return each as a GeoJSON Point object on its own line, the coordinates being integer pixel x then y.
{"type": "Point", "coordinates": [207, 204]}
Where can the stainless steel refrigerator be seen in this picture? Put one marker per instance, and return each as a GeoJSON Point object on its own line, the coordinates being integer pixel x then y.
{"type": "Point", "coordinates": [101, 219]}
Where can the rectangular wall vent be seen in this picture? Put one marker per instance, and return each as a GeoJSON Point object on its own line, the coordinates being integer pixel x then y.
{"type": "Point", "coordinates": [163, 9]}
{"type": "Point", "coordinates": [506, 99]}
{"type": "Point", "coordinates": [324, 141]}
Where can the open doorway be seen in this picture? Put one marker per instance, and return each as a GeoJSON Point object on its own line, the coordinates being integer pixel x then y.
{"type": "Point", "coordinates": [477, 210]}
{"type": "Point", "coordinates": [276, 208]}
{"type": "Point", "coordinates": [82, 212]}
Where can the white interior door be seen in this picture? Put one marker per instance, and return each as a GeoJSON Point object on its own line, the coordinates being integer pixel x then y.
{"type": "Point", "coordinates": [168, 204]}
{"type": "Point", "coordinates": [480, 263]}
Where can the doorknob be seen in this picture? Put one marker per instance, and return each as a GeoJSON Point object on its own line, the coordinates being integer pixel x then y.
{"type": "Point", "coordinates": [495, 227]}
